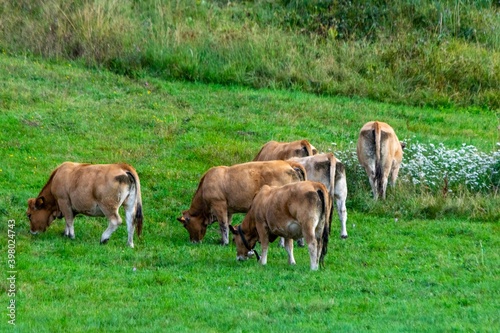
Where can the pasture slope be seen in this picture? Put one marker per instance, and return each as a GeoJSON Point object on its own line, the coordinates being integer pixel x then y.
{"type": "Point", "coordinates": [393, 273]}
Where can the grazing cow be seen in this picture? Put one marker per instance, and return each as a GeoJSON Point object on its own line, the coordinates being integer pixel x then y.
{"type": "Point", "coordinates": [89, 189]}
{"type": "Point", "coordinates": [329, 171]}
{"type": "Point", "coordinates": [274, 150]}
{"type": "Point", "coordinates": [380, 153]}
{"type": "Point", "coordinates": [291, 211]}
{"type": "Point", "coordinates": [223, 191]}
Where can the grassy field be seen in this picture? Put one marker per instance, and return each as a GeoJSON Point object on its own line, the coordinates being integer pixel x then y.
{"type": "Point", "coordinates": [390, 275]}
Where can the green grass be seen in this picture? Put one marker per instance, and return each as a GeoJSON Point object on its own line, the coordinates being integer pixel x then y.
{"type": "Point", "coordinates": [412, 274]}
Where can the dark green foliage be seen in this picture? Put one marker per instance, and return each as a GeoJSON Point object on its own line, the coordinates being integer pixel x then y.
{"type": "Point", "coordinates": [416, 52]}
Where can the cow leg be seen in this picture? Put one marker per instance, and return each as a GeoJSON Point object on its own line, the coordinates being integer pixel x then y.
{"type": "Point", "coordinates": [114, 221]}
{"type": "Point", "coordinates": [224, 218]}
{"type": "Point", "coordinates": [394, 173]}
{"type": "Point", "coordinates": [69, 216]}
{"type": "Point", "coordinates": [264, 241]}
{"type": "Point", "coordinates": [340, 196]}
{"type": "Point", "coordinates": [385, 179]}
{"type": "Point", "coordinates": [370, 170]}
{"type": "Point", "coordinates": [289, 250]}
{"type": "Point", "coordinates": [384, 187]}
{"type": "Point", "coordinates": [265, 246]}
{"type": "Point", "coordinates": [312, 245]}
{"type": "Point", "coordinates": [224, 229]}
{"type": "Point", "coordinates": [341, 209]}
{"type": "Point", "coordinates": [129, 218]}
{"type": "Point", "coordinates": [281, 242]}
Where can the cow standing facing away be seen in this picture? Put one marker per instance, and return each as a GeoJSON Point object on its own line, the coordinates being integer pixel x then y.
{"type": "Point", "coordinates": [329, 171]}
{"type": "Point", "coordinates": [224, 190]}
{"type": "Point", "coordinates": [380, 153]}
{"type": "Point", "coordinates": [274, 150]}
{"type": "Point", "coordinates": [291, 211]}
{"type": "Point", "coordinates": [89, 189]}
{"type": "Point", "coordinates": [323, 168]}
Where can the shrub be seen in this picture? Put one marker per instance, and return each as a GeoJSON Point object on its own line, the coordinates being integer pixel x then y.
{"type": "Point", "coordinates": [434, 182]}
{"type": "Point", "coordinates": [412, 52]}
{"type": "Point", "coordinates": [441, 168]}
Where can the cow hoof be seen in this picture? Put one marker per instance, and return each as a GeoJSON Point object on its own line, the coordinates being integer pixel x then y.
{"type": "Point", "coordinates": [104, 241]}
{"type": "Point", "coordinates": [343, 236]}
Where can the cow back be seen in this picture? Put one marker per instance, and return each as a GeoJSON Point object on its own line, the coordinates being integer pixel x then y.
{"type": "Point", "coordinates": [274, 150]}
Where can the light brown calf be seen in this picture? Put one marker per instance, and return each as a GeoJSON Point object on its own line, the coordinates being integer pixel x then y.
{"type": "Point", "coordinates": [291, 211]}
{"type": "Point", "coordinates": [93, 190]}
{"type": "Point", "coordinates": [329, 171]}
{"type": "Point", "coordinates": [380, 153]}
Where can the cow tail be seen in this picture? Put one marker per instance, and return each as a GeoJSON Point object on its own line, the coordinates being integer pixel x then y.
{"type": "Point", "coordinates": [301, 172]}
{"type": "Point", "coordinates": [333, 170]}
{"type": "Point", "coordinates": [138, 218]}
{"type": "Point", "coordinates": [299, 169]}
{"type": "Point", "coordinates": [378, 151]}
{"type": "Point", "coordinates": [326, 216]}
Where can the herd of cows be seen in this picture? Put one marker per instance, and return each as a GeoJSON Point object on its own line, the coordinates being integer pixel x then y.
{"type": "Point", "coordinates": [287, 191]}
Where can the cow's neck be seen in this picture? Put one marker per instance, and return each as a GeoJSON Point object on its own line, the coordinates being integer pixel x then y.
{"type": "Point", "coordinates": [50, 201]}
{"type": "Point", "coordinates": [250, 230]}
{"type": "Point", "coordinates": [199, 207]}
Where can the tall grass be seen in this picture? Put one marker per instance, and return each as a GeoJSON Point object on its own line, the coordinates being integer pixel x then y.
{"type": "Point", "coordinates": [439, 53]}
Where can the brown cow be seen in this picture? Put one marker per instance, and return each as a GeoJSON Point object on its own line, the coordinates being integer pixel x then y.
{"type": "Point", "coordinates": [224, 190]}
{"type": "Point", "coordinates": [329, 171]}
{"type": "Point", "coordinates": [291, 211]}
{"type": "Point", "coordinates": [89, 189]}
{"type": "Point", "coordinates": [274, 150]}
{"type": "Point", "coordinates": [380, 153]}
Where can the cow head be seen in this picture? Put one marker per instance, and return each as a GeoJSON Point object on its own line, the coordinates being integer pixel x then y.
{"type": "Point", "coordinates": [244, 242]}
{"type": "Point", "coordinates": [40, 213]}
{"type": "Point", "coordinates": [195, 225]}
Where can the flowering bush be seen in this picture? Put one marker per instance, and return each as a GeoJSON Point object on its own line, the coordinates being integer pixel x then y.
{"type": "Point", "coordinates": [436, 167]}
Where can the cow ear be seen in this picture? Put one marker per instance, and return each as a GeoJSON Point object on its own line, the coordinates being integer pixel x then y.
{"type": "Point", "coordinates": [182, 220]}
{"type": "Point", "coordinates": [233, 230]}
{"type": "Point", "coordinates": [40, 201]}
